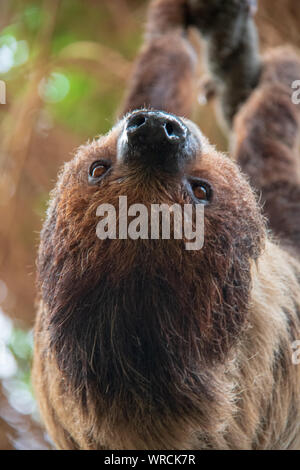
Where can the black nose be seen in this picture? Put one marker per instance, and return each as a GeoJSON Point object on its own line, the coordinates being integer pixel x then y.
{"type": "Point", "coordinates": [155, 138]}
{"type": "Point", "coordinates": [155, 127]}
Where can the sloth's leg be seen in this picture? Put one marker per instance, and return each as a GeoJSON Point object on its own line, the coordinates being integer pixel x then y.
{"type": "Point", "coordinates": [256, 98]}
{"type": "Point", "coordinates": [165, 72]}
{"type": "Point", "coordinates": [267, 141]}
{"type": "Point", "coordinates": [231, 48]}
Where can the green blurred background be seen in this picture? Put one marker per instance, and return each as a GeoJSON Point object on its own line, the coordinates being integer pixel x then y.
{"type": "Point", "coordinates": [65, 64]}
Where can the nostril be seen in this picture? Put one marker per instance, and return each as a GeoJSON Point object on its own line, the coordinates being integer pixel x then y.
{"type": "Point", "coordinates": [169, 129]}
{"type": "Point", "coordinates": [173, 130]}
{"type": "Point", "coordinates": [139, 121]}
{"type": "Point", "coordinates": [156, 138]}
{"type": "Point", "coordinates": [136, 121]}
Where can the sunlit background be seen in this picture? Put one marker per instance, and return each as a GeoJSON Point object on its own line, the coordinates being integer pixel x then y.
{"type": "Point", "coordinates": [65, 65]}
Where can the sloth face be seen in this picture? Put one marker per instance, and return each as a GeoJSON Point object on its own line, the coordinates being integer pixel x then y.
{"type": "Point", "coordinates": [152, 158]}
{"type": "Point", "coordinates": [128, 307]}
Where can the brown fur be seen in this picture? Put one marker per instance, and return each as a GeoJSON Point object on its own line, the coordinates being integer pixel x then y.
{"type": "Point", "coordinates": [144, 345]}
{"type": "Point", "coordinates": [269, 153]}
{"type": "Point", "coordinates": [278, 23]}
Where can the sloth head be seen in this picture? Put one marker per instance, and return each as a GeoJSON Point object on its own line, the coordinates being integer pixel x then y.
{"type": "Point", "coordinates": [133, 316]}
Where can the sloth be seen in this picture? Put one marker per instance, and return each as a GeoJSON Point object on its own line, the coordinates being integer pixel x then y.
{"type": "Point", "coordinates": [141, 343]}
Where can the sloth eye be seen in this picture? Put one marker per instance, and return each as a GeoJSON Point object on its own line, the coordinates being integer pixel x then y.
{"type": "Point", "coordinates": [98, 170]}
{"type": "Point", "coordinates": [201, 190]}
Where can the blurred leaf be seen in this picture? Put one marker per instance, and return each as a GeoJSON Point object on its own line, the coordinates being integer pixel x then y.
{"type": "Point", "coordinates": [21, 344]}
{"type": "Point", "coordinates": [86, 109]}
{"type": "Point", "coordinates": [33, 17]}
{"type": "Point", "coordinates": [54, 88]}
{"type": "Point", "coordinates": [62, 40]}
{"type": "Point", "coordinates": [12, 52]}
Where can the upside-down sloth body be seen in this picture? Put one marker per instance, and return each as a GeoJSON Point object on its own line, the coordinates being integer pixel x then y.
{"type": "Point", "coordinates": [142, 344]}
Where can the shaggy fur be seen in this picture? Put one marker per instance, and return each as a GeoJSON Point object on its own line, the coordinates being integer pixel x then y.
{"type": "Point", "coordinates": [145, 345]}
